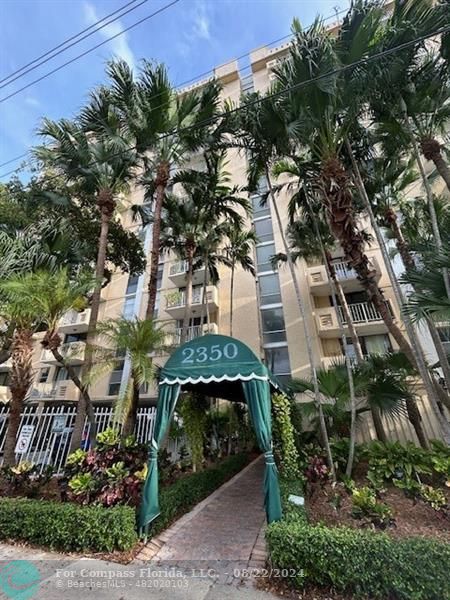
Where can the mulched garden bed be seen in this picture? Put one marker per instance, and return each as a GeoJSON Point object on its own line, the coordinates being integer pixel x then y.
{"type": "Point", "coordinates": [412, 517]}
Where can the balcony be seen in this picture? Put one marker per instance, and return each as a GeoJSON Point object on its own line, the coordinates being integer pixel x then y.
{"type": "Point", "coordinates": [176, 302]}
{"type": "Point", "coordinates": [5, 394]}
{"type": "Point", "coordinates": [320, 286]}
{"type": "Point", "coordinates": [75, 322]}
{"type": "Point", "coordinates": [73, 352]}
{"type": "Point", "coordinates": [366, 318]}
{"type": "Point", "coordinates": [6, 366]}
{"type": "Point", "coordinates": [178, 270]}
{"type": "Point", "coordinates": [174, 337]}
{"type": "Point", "coordinates": [57, 390]}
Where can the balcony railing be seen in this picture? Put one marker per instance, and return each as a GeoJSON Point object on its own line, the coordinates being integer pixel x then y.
{"type": "Point", "coordinates": [179, 298]}
{"type": "Point", "coordinates": [178, 268]}
{"type": "Point", "coordinates": [74, 317]}
{"type": "Point", "coordinates": [361, 312]}
{"type": "Point", "coordinates": [343, 271]}
{"type": "Point", "coordinates": [71, 351]}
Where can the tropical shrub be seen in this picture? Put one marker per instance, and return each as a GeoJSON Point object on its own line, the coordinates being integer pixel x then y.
{"type": "Point", "coordinates": [26, 478]}
{"type": "Point", "coordinates": [366, 505]}
{"type": "Point", "coordinates": [316, 470]}
{"type": "Point", "coordinates": [433, 496]}
{"type": "Point", "coordinates": [111, 474]}
{"type": "Point", "coordinates": [193, 412]}
{"type": "Point", "coordinates": [67, 526]}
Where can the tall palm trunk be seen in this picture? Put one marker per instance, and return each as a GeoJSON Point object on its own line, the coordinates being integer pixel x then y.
{"type": "Point", "coordinates": [431, 149]}
{"type": "Point", "coordinates": [130, 421]}
{"type": "Point", "coordinates": [301, 306]}
{"type": "Point", "coordinates": [232, 297]}
{"type": "Point", "coordinates": [204, 294]}
{"type": "Point", "coordinates": [339, 202]}
{"type": "Point", "coordinates": [331, 274]}
{"type": "Point", "coordinates": [106, 205]}
{"type": "Point", "coordinates": [190, 248]}
{"type": "Point", "coordinates": [415, 353]}
{"type": "Point", "coordinates": [20, 381]}
{"type": "Point", "coordinates": [409, 263]}
{"type": "Point", "coordinates": [161, 180]}
{"type": "Point", "coordinates": [428, 191]}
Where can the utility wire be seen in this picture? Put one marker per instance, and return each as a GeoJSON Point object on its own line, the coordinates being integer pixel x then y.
{"type": "Point", "coordinates": [281, 92]}
{"type": "Point", "coordinates": [195, 78]}
{"type": "Point", "coordinates": [53, 51]}
{"type": "Point", "coordinates": [72, 60]}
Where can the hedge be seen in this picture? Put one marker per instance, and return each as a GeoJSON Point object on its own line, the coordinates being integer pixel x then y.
{"type": "Point", "coordinates": [74, 528]}
{"type": "Point", "coordinates": [364, 563]}
{"type": "Point", "coordinates": [66, 526]}
{"type": "Point", "coordinates": [179, 497]}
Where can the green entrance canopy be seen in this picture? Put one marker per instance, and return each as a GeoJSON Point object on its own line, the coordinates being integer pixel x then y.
{"type": "Point", "coordinates": [221, 367]}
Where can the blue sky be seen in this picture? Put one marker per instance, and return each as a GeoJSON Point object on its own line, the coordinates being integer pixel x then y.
{"type": "Point", "coordinates": [191, 37]}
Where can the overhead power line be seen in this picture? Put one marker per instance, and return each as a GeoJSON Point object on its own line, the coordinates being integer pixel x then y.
{"type": "Point", "coordinates": [89, 50]}
{"type": "Point", "coordinates": [281, 92]}
{"type": "Point", "coordinates": [196, 78]}
{"type": "Point", "coordinates": [75, 39]}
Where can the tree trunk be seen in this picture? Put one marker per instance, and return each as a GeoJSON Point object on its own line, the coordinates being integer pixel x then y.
{"type": "Point", "coordinates": [331, 273]}
{"type": "Point", "coordinates": [20, 380]}
{"type": "Point", "coordinates": [431, 149]}
{"type": "Point", "coordinates": [339, 202]}
{"type": "Point", "coordinates": [107, 205]}
{"type": "Point", "coordinates": [161, 180]}
{"type": "Point", "coordinates": [187, 294]}
{"type": "Point", "coordinates": [204, 294]}
{"type": "Point", "coordinates": [231, 298]}
{"type": "Point", "coordinates": [130, 421]}
{"type": "Point", "coordinates": [415, 350]}
{"type": "Point", "coordinates": [308, 341]}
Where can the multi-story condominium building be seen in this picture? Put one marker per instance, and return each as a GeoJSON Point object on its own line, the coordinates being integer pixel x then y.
{"type": "Point", "coordinates": [266, 314]}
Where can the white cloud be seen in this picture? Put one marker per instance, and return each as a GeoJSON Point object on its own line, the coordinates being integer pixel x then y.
{"type": "Point", "coordinates": [201, 23]}
{"type": "Point", "coordinates": [197, 28]}
{"type": "Point", "coordinates": [118, 45]}
{"type": "Point", "coordinates": [32, 101]}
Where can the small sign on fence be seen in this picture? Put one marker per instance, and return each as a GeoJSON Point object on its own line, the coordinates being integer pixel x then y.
{"type": "Point", "coordinates": [24, 439]}
{"type": "Point", "coordinates": [59, 423]}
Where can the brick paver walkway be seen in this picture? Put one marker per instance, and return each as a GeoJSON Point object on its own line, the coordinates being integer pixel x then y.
{"type": "Point", "coordinates": [226, 526]}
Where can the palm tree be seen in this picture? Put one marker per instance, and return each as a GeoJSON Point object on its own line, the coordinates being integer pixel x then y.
{"type": "Point", "coordinates": [52, 294]}
{"type": "Point", "coordinates": [380, 381]}
{"type": "Point", "coordinates": [207, 201]}
{"type": "Point", "coordinates": [167, 127]}
{"type": "Point", "coordinates": [261, 131]}
{"type": "Point", "coordinates": [326, 111]}
{"type": "Point", "coordinates": [15, 308]}
{"type": "Point", "coordinates": [101, 166]}
{"type": "Point", "coordinates": [238, 250]}
{"type": "Point", "coordinates": [388, 180]}
{"type": "Point", "coordinates": [138, 339]}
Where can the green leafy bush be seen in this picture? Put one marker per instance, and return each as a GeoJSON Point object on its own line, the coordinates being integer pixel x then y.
{"type": "Point", "coordinates": [362, 563]}
{"type": "Point", "coordinates": [285, 449]}
{"type": "Point", "coordinates": [26, 478]}
{"type": "Point", "coordinates": [67, 526]}
{"type": "Point", "coordinates": [433, 496]}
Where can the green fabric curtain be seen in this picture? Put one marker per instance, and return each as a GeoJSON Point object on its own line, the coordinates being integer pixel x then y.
{"type": "Point", "coordinates": [257, 394]}
{"type": "Point", "coordinates": [167, 399]}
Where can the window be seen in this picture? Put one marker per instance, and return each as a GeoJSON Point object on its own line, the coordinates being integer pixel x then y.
{"type": "Point", "coordinates": [263, 256]}
{"type": "Point", "coordinates": [273, 326]}
{"type": "Point", "coordinates": [269, 289]}
{"type": "Point", "coordinates": [258, 210]}
{"type": "Point", "coordinates": [128, 307]}
{"type": "Point", "coordinates": [61, 373]}
{"type": "Point", "coordinates": [114, 381]}
{"type": "Point", "coordinates": [277, 360]}
{"type": "Point", "coordinates": [43, 375]}
{"type": "Point", "coordinates": [247, 84]}
{"type": "Point", "coordinates": [132, 284]}
{"type": "Point", "coordinates": [75, 337]}
{"type": "Point", "coordinates": [376, 344]}
{"type": "Point", "coordinates": [264, 230]}
{"type": "Point", "coordinates": [4, 378]}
